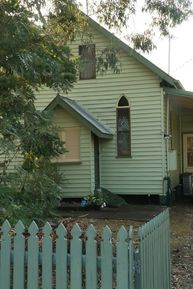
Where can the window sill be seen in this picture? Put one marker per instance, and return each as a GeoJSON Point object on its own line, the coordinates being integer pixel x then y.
{"type": "Point", "coordinates": [82, 79]}
{"type": "Point", "coordinates": [123, 157]}
{"type": "Point", "coordinates": [66, 162]}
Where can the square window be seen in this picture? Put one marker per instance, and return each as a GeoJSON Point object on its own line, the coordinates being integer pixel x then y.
{"type": "Point", "coordinates": [87, 61]}
{"type": "Point", "coordinates": [71, 139]}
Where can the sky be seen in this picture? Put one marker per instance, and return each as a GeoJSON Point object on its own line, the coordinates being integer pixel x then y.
{"type": "Point", "coordinates": [181, 54]}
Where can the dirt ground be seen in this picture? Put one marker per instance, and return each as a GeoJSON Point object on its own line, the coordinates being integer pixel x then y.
{"type": "Point", "coordinates": [182, 244]}
{"type": "Point", "coordinates": [181, 219]}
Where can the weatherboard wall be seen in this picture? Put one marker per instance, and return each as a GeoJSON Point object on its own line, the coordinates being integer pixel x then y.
{"type": "Point", "coordinates": [142, 173]}
{"type": "Point", "coordinates": [77, 175]}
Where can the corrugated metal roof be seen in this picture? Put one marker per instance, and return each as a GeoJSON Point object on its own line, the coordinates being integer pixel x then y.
{"type": "Point", "coordinates": [80, 113]}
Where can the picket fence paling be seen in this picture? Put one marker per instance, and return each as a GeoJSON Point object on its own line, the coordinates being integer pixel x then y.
{"type": "Point", "coordinates": [47, 257]}
{"type": "Point", "coordinates": [123, 258]}
{"type": "Point", "coordinates": [106, 259]}
{"type": "Point", "coordinates": [76, 258]}
{"type": "Point", "coordinates": [91, 258]}
{"type": "Point", "coordinates": [33, 255]}
{"type": "Point", "coordinates": [61, 257]}
{"type": "Point", "coordinates": [57, 262]}
{"type": "Point", "coordinates": [5, 265]}
{"type": "Point", "coordinates": [154, 253]}
{"type": "Point", "coordinates": [19, 254]}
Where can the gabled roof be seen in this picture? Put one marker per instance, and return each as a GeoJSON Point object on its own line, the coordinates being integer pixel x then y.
{"type": "Point", "coordinates": [81, 114]}
{"type": "Point", "coordinates": [119, 43]}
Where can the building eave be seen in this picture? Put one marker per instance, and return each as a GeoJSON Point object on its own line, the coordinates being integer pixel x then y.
{"type": "Point", "coordinates": [81, 114]}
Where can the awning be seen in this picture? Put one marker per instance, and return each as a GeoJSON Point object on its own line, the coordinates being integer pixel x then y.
{"type": "Point", "coordinates": [81, 114]}
{"type": "Point", "coordinates": [182, 97]}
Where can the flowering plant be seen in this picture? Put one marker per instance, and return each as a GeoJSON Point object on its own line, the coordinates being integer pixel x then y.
{"type": "Point", "coordinates": [94, 201]}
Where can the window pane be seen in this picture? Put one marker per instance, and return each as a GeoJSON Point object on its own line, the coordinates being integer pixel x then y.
{"type": "Point", "coordinates": [123, 123]}
{"type": "Point", "coordinates": [190, 151]}
{"type": "Point", "coordinates": [123, 143]}
{"type": "Point", "coordinates": [123, 101]}
{"type": "Point", "coordinates": [71, 137]}
{"type": "Point", "coordinates": [87, 61]}
{"type": "Point", "coordinates": [123, 132]}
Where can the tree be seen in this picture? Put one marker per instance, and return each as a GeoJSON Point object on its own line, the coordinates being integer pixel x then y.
{"type": "Point", "coordinates": [161, 16]}
{"type": "Point", "coordinates": [29, 58]}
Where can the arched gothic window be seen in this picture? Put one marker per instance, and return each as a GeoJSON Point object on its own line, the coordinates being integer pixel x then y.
{"type": "Point", "coordinates": [123, 128]}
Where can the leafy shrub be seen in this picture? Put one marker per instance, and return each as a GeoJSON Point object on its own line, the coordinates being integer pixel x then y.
{"type": "Point", "coordinates": [30, 195]}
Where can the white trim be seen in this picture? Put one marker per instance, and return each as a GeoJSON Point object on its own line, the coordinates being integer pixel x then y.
{"type": "Point", "coordinates": [186, 168]}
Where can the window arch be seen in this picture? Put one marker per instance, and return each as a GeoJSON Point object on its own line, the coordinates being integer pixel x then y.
{"type": "Point", "coordinates": [123, 128]}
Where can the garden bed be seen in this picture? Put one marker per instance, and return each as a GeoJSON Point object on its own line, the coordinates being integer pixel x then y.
{"type": "Point", "coordinates": [139, 213]}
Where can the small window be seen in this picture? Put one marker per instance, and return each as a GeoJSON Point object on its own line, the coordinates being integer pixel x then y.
{"type": "Point", "coordinates": [123, 128]}
{"type": "Point", "coordinates": [71, 139]}
{"type": "Point", "coordinates": [87, 61]}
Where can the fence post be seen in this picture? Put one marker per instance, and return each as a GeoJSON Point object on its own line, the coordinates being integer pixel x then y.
{"type": "Point", "coordinates": [131, 258]}
{"type": "Point", "coordinates": [137, 270]}
{"type": "Point", "coordinates": [5, 264]}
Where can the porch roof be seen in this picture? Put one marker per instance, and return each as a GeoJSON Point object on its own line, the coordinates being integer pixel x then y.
{"type": "Point", "coordinates": [183, 97]}
{"type": "Point", "coordinates": [81, 114]}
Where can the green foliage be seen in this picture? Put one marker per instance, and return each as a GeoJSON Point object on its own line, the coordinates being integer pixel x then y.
{"type": "Point", "coordinates": [30, 195]}
{"type": "Point", "coordinates": [143, 41]}
{"type": "Point", "coordinates": [162, 16]}
{"type": "Point", "coordinates": [108, 59]}
{"type": "Point", "coordinates": [29, 58]}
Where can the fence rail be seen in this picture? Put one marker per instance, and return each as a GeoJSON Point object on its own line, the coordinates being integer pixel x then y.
{"type": "Point", "coordinates": [55, 259]}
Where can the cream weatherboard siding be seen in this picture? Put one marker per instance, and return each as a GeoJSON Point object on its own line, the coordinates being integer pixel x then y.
{"type": "Point", "coordinates": [142, 173]}
{"type": "Point", "coordinates": [78, 178]}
